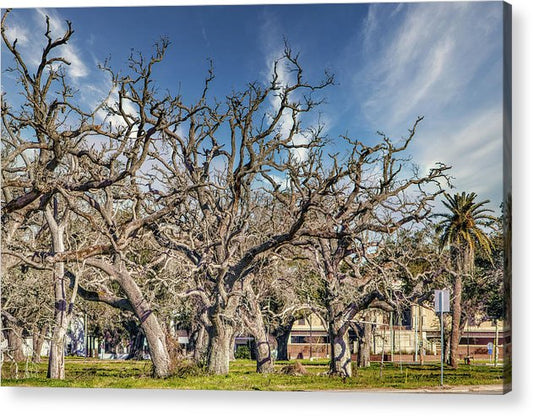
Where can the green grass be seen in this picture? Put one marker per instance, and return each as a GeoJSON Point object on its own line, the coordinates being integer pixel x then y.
{"type": "Point", "coordinates": [136, 374]}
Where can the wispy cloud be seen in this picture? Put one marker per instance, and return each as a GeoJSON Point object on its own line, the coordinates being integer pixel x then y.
{"type": "Point", "coordinates": [29, 28]}
{"type": "Point", "coordinates": [430, 54]}
{"type": "Point", "coordinates": [31, 40]}
{"type": "Point", "coordinates": [18, 32]}
{"type": "Point", "coordinates": [77, 68]}
{"type": "Point", "coordinates": [474, 149]}
{"type": "Point", "coordinates": [273, 50]}
{"type": "Point", "coordinates": [443, 61]}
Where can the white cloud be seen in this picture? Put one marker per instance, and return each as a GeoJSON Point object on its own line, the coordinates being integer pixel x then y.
{"type": "Point", "coordinates": [76, 68]}
{"type": "Point", "coordinates": [272, 44]}
{"type": "Point", "coordinates": [286, 122]}
{"type": "Point", "coordinates": [428, 56]}
{"type": "Point", "coordinates": [31, 41]}
{"type": "Point", "coordinates": [474, 149]}
{"type": "Point", "coordinates": [17, 32]}
{"type": "Point", "coordinates": [443, 61]}
{"type": "Point", "coordinates": [117, 121]}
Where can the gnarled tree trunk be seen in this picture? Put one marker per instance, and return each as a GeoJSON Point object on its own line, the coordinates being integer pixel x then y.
{"type": "Point", "coordinates": [256, 325]}
{"type": "Point", "coordinates": [218, 348]}
{"type": "Point", "coordinates": [62, 307]}
{"type": "Point", "coordinates": [282, 334]}
{"type": "Point", "coordinates": [62, 317]}
{"type": "Point", "coordinates": [38, 341]}
{"type": "Point", "coordinates": [198, 343]}
{"type": "Point", "coordinates": [220, 330]}
{"type": "Point", "coordinates": [155, 336]}
{"type": "Point", "coordinates": [263, 353]}
{"type": "Point", "coordinates": [232, 346]}
{"type": "Point", "coordinates": [341, 356]}
{"type": "Point", "coordinates": [363, 350]}
{"type": "Point", "coordinates": [56, 358]}
{"type": "Point", "coordinates": [456, 319]}
{"type": "Point", "coordinates": [13, 333]}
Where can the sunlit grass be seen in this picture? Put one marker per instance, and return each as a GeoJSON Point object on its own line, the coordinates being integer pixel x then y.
{"type": "Point", "coordinates": [242, 376]}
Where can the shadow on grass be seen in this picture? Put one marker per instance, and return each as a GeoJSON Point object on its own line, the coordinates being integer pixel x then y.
{"type": "Point", "coordinates": [242, 376]}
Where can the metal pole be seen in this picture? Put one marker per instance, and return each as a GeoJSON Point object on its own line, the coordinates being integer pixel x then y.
{"type": "Point", "coordinates": [416, 332]}
{"type": "Point", "coordinates": [496, 344]}
{"type": "Point", "coordinates": [468, 338]}
{"type": "Point", "coordinates": [421, 335]}
{"type": "Point", "coordinates": [310, 338]}
{"type": "Point", "coordinates": [400, 341]}
{"type": "Point", "coordinates": [391, 339]}
{"type": "Point", "coordinates": [441, 341]}
{"type": "Point", "coordinates": [85, 335]}
{"type": "Point", "coordinates": [382, 350]}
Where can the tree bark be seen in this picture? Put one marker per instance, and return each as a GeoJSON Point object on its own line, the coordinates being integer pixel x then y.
{"type": "Point", "coordinates": [341, 357]}
{"type": "Point", "coordinates": [282, 335]}
{"type": "Point", "coordinates": [256, 325]}
{"type": "Point", "coordinates": [264, 361]}
{"type": "Point", "coordinates": [56, 358]}
{"type": "Point", "coordinates": [62, 307]}
{"type": "Point", "coordinates": [136, 341]}
{"type": "Point", "coordinates": [218, 349]}
{"type": "Point", "coordinates": [13, 334]}
{"type": "Point", "coordinates": [38, 341]}
{"type": "Point", "coordinates": [232, 346]}
{"type": "Point", "coordinates": [363, 350]}
{"type": "Point", "coordinates": [62, 316]}
{"type": "Point", "coordinates": [220, 329]}
{"type": "Point", "coordinates": [199, 343]}
{"type": "Point", "coordinates": [155, 336]}
{"type": "Point", "coordinates": [456, 321]}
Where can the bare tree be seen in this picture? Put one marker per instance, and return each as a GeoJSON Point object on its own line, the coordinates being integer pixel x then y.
{"type": "Point", "coordinates": [26, 298]}
{"type": "Point", "coordinates": [257, 167]}
{"type": "Point", "coordinates": [372, 197]}
{"type": "Point", "coordinates": [78, 155]}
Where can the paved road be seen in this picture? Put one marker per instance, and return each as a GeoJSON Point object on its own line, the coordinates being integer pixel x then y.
{"type": "Point", "coordinates": [480, 389]}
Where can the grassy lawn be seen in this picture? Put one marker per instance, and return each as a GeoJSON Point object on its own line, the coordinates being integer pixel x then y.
{"type": "Point", "coordinates": [136, 374]}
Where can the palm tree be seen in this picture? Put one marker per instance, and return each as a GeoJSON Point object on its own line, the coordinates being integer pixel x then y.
{"type": "Point", "coordinates": [461, 231]}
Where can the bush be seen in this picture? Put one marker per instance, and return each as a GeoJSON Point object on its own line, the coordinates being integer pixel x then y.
{"type": "Point", "coordinates": [296, 369]}
{"type": "Point", "coordinates": [243, 352]}
{"type": "Point", "coordinates": [186, 368]}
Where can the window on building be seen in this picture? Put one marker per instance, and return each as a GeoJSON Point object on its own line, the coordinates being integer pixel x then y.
{"type": "Point", "coordinates": [297, 339]}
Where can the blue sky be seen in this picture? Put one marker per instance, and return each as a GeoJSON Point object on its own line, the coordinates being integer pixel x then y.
{"type": "Point", "coordinates": [392, 62]}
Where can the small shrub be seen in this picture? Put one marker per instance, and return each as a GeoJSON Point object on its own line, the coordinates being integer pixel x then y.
{"type": "Point", "coordinates": [296, 369]}
{"type": "Point", "coordinates": [188, 368]}
{"type": "Point", "coordinates": [243, 352]}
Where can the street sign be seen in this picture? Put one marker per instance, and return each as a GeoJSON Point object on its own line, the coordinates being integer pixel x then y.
{"type": "Point", "coordinates": [442, 304]}
{"type": "Point", "coordinates": [442, 297]}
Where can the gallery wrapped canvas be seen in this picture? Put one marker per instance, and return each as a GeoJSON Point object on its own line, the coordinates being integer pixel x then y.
{"type": "Point", "coordinates": [263, 197]}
